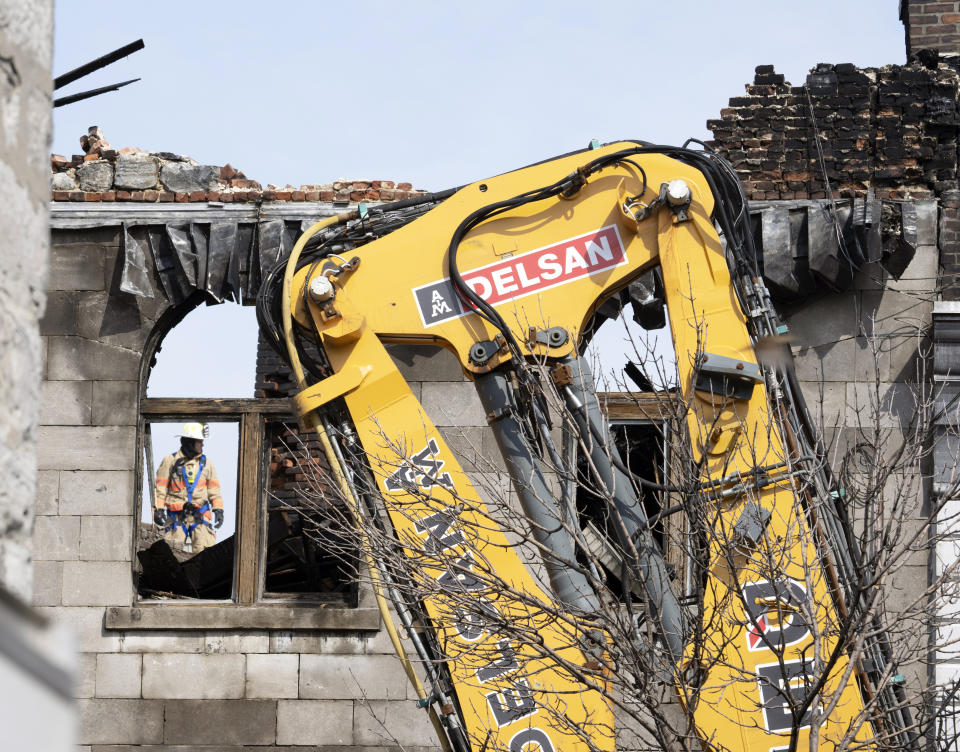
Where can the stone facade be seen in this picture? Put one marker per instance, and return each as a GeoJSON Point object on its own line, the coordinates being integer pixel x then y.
{"type": "Point", "coordinates": [25, 89]}
{"type": "Point", "coordinates": [204, 687]}
{"type": "Point", "coordinates": [36, 664]}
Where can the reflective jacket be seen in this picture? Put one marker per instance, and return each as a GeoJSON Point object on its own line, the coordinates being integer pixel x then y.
{"type": "Point", "coordinates": [171, 484]}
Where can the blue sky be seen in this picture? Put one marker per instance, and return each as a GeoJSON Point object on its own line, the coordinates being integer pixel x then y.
{"type": "Point", "coordinates": [438, 94]}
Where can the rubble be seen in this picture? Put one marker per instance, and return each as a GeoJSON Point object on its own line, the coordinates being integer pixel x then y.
{"type": "Point", "coordinates": [103, 173]}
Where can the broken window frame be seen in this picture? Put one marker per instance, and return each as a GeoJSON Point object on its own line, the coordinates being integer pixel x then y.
{"type": "Point", "coordinates": [654, 409]}
{"type": "Point", "coordinates": [252, 416]}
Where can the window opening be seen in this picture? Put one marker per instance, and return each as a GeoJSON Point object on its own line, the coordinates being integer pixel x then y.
{"type": "Point", "coordinates": [212, 352]}
{"type": "Point", "coordinates": [310, 552]}
{"type": "Point", "coordinates": [188, 510]}
{"type": "Point", "coordinates": [641, 446]}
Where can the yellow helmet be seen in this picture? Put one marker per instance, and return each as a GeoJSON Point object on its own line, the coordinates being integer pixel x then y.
{"type": "Point", "coordinates": [195, 431]}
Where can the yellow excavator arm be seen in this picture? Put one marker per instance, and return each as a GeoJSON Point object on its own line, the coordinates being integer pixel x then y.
{"type": "Point", "coordinates": [510, 271]}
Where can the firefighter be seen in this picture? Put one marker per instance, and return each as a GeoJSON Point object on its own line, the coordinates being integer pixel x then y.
{"type": "Point", "coordinates": [188, 506]}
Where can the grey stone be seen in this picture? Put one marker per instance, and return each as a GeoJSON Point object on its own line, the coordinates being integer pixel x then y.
{"type": "Point", "coordinates": [830, 362]}
{"type": "Point", "coordinates": [377, 677]}
{"type": "Point", "coordinates": [224, 722]}
{"type": "Point", "coordinates": [60, 316]}
{"type": "Point", "coordinates": [826, 320]}
{"type": "Point", "coordinates": [85, 684]}
{"type": "Point", "coordinates": [324, 722]}
{"type": "Point", "coordinates": [187, 676]}
{"type": "Point", "coordinates": [86, 625]}
{"type": "Point", "coordinates": [85, 448]}
{"type": "Point", "coordinates": [97, 492]}
{"type": "Point", "coordinates": [922, 274]}
{"type": "Point", "coordinates": [95, 176]}
{"type": "Point", "coordinates": [382, 722]}
{"type": "Point", "coordinates": [272, 676]}
{"type": "Point", "coordinates": [115, 403]}
{"type": "Point", "coordinates": [97, 583]}
{"type": "Point", "coordinates": [161, 642]}
{"type": "Point", "coordinates": [48, 492]}
{"type": "Point", "coordinates": [449, 404]}
{"type": "Point", "coordinates": [76, 267]}
{"type": "Point", "coordinates": [826, 401]}
{"type": "Point", "coordinates": [121, 722]}
{"type": "Point", "coordinates": [63, 181]}
{"type": "Point", "coordinates": [241, 642]}
{"type": "Point", "coordinates": [106, 538]}
{"type": "Point", "coordinates": [56, 539]}
{"type": "Point", "coordinates": [76, 358]}
{"type": "Point", "coordinates": [885, 405]}
{"type": "Point", "coordinates": [295, 642]}
{"type": "Point", "coordinates": [425, 363]}
{"type": "Point", "coordinates": [466, 443]}
{"type": "Point", "coordinates": [893, 312]}
{"type": "Point", "coordinates": [118, 675]}
{"type": "Point", "coordinates": [47, 583]}
{"type": "Point", "coordinates": [66, 403]}
{"type": "Point", "coordinates": [186, 178]}
{"type": "Point", "coordinates": [136, 172]}
{"type": "Point", "coordinates": [111, 320]}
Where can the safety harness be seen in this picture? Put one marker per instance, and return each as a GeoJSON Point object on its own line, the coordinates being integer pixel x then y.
{"type": "Point", "coordinates": [178, 518]}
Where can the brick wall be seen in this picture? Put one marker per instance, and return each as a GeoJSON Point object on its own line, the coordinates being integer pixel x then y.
{"type": "Point", "coordinates": [889, 130]}
{"type": "Point", "coordinates": [933, 25]}
{"type": "Point", "coordinates": [102, 173]}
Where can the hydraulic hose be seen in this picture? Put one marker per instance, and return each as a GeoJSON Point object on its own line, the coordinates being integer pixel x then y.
{"type": "Point", "coordinates": [313, 422]}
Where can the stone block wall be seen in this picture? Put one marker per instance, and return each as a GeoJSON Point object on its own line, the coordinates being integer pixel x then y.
{"type": "Point", "coordinates": [26, 52]}
{"type": "Point", "coordinates": [201, 688]}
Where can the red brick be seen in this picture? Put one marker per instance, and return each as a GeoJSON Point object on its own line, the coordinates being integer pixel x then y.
{"type": "Point", "coordinates": [151, 195]}
{"type": "Point", "coordinates": [136, 195]}
{"type": "Point", "coordinates": [181, 198]}
{"type": "Point", "coordinates": [360, 185]}
{"type": "Point", "coordinates": [61, 195]}
{"type": "Point", "coordinates": [123, 196]}
{"type": "Point", "coordinates": [77, 159]}
{"type": "Point", "coordinates": [269, 195]}
{"type": "Point", "coordinates": [227, 198]}
{"type": "Point", "coordinates": [311, 195]}
{"type": "Point", "coordinates": [283, 195]}
{"type": "Point", "coordinates": [59, 163]}
{"type": "Point", "coordinates": [387, 195]}
{"type": "Point", "coordinates": [108, 196]}
{"type": "Point", "coordinates": [109, 154]}
{"type": "Point", "coordinates": [76, 195]}
{"type": "Point", "coordinates": [404, 186]}
{"type": "Point", "coordinates": [326, 195]}
{"type": "Point", "coordinates": [91, 196]}
{"type": "Point", "coordinates": [166, 196]}
{"type": "Point", "coordinates": [91, 157]}
{"type": "Point", "coordinates": [227, 172]}
{"type": "Point", "coordinates": [937, 7]}
{"type": "Point", "coordinates": [297, 196]}
{"type": "Point", "coordinates": [197, 196]}
{"type": "Point", "coordinates": [211, 196]}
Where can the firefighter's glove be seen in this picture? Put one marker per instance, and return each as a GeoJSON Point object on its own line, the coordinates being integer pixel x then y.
{"type": "Point", "coordinates": [217, 518]}
{"type": "Point", "coordinates": [160, 517]}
